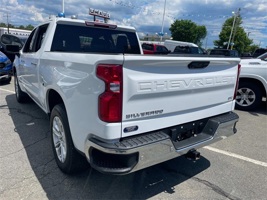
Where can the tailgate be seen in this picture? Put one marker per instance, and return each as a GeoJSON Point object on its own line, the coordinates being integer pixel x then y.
{"type": "Point", "coordinates": [162, 91]}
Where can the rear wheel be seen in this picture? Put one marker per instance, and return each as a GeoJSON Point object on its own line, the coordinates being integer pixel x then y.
{"type": "Point", "coordinates": [66, 156]}
{"type": "Point", "coordinates": [249, 96]}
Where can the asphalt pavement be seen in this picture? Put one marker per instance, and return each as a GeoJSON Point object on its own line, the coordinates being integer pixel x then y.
{"type": "Point", "coordinates": [235, 168]}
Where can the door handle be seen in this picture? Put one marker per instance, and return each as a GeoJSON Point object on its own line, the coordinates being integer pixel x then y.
{"type": "Point", "coordinates": [34, 64]}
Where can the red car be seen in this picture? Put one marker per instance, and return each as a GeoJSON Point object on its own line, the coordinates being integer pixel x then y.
{"type": "Point", "coordinates": [154, 49]}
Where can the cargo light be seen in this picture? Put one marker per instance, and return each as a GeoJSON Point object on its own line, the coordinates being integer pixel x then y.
{"type": "Point", "coordinates": [101, 25]}
{"type": "Point", "coordinates": [110, 101]}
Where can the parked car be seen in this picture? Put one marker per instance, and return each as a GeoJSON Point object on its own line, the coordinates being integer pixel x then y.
{"type": "Point", "coordinates": [8, 39]}
{"type": "Point", "coordinates": [252, 83]}
{"type": "Point", "coordinates": [154, 49]}
{"type": "Point", "coordinates": [259, 52]}
{"type": "Point", "coordinates": [263, 57]}
{"type": "Point", "coordinates": [5, 68]}
{"type": "Point", "coordinates": [224, 52]}
{"type": "Point", "coordinates": [246, 55]}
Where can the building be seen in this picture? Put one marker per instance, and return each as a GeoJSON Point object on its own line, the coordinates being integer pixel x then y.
{"type": "Point", "coordinates": [14, 31]}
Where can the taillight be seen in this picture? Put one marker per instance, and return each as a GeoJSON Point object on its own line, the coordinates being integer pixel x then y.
{"type": "Point", "coordinates": [237, 80]}
{"type": "Point", "coordinates": [110, 101]}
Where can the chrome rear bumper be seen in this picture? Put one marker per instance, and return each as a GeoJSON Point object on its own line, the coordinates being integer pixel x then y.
{"type": "Point", "coordinates": [141, 151]}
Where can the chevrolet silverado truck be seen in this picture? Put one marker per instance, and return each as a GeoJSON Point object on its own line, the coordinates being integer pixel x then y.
{"type": "Point", "coordinates": [122, 110]}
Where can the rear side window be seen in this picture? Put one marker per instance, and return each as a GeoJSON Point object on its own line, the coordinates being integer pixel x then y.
{"type": "Point", "coordinates": [220, 52]}
{"type": "Point", "coordinates": [78, 39]}
{"type": "Point", "coordinates": [194, 50]}
{"type": "Point", "coordinates": [147, 47]}
{"type": "Point", "coordinates": [182, 49]}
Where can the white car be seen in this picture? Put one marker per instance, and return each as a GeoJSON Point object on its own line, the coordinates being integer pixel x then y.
{"type": "Point", "coordinates": [252, 83]}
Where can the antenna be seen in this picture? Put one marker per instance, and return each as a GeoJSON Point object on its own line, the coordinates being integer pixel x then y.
{"type": "Point", "coordinates": [63, 6]}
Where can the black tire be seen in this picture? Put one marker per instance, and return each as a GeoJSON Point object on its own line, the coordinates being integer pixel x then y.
{"type": "Point", "coordinates": [21, 96]}
{"type": "Point", "coordinates": [67, 158]}
{"type": "Point", "coordinates": [249, 96]}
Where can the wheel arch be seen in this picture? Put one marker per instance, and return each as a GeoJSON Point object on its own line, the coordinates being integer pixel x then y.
{"type": "Point", "coordinates": [53, 98]}
{"type": "Point", "coordinates": [255, 81]}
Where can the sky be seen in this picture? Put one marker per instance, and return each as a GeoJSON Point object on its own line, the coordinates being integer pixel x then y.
{"type": "Point", "coordinates": [147, 15]}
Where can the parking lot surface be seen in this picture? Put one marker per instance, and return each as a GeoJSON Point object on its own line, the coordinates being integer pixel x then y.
{"type": "Point", "coordinates": [235, 168]}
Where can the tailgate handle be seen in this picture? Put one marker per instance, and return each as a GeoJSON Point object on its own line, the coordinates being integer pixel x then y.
{"type": "Point", "coordinates": [198, 64]}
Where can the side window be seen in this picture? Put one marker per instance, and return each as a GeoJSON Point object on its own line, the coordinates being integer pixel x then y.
{"type": "Point", "coordinates": [35, 40]}
{"type": "Point", "coordinates": [40, 36]}
{"type": "Point", "coordinates": [29, 44]}
{"type": "Point", "coordinates": [159, 49]}
{"type": "Point", "coordinates": [147, 47]}
{"type": "Point", "coordinates": [164, 49]}
{"type": "Point", "coordinates": [200, 51]}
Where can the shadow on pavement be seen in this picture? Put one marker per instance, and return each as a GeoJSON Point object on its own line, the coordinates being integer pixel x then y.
{"type": "Point", "coordinates": [262, 109]}
{"type": "Point", "coordinates": [32, 126]}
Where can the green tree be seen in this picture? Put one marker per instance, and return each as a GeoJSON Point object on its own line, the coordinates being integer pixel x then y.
{"type": "Point", "coordinates": [240, 40]}
{"type": "Point", "coordinates": [2, 25]}
{"type": "Point", "coordinates": [252, 48]}
{"type": "Point", "coordinates": [11, 26]}
{"type": "Point", "coordinates": [21, 27]}
{"type": "Point", "coordinates": [188, 31]}
{"type": "Point", "coordinates": [29, 27]}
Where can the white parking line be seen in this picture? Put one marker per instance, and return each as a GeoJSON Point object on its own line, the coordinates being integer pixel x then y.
{"type": "Point", "coordinates": [264, 164]}
{"type": "Point", "coordinates": [7, 90]}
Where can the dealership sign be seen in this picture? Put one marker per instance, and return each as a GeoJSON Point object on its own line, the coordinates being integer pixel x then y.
{"type": "Point", "coordinates": [99, 13]}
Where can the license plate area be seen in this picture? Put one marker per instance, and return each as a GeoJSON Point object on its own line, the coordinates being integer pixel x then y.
{"type": "Point", "coordinates": [190, 133]}
{"type": "Point", "coordinates": [188, 130]}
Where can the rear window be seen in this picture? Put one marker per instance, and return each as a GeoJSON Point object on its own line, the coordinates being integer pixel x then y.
{"type": "Point", "coordinates": [79, 39]}
{"type": "Point", "coordinates": [224, 52]}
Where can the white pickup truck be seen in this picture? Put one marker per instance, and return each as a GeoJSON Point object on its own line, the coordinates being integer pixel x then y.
{"type": "Point", "coordinates": [252, 86]}
{"type": "Point", "coordinates": [122, 110]}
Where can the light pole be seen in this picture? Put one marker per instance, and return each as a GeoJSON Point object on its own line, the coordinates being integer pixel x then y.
{"type": "Point", "coordinates": [235, 27]}
{"type": "Point", "coordinates": [161, 33]}
{"type": "Point", "coordinates": [231, 30]}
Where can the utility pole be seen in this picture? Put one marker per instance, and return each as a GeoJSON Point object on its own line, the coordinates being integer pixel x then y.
{"type": "Point", "coordinates": [162, 25]}
{"type": "Point", "coordinates": [235, 27]}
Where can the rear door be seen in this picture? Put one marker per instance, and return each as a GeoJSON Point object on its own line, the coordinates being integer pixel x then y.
{"type": "Point", "coordinates": [160, 92]}
{"type": "Point", "coordinates": [30, 60]}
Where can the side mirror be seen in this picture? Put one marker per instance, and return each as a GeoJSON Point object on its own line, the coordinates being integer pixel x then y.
{"type": "Point", "coordinates": [10, 48]}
